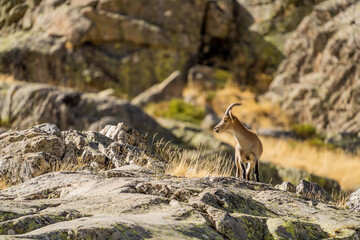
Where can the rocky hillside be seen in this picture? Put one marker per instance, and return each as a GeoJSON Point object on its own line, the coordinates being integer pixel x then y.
{"type": "Point", "coordinates": [98, 44]}
{"type": "Point", "coordinates": [106, 196]}
{"type": "Point", "coordinates": [318, 82]}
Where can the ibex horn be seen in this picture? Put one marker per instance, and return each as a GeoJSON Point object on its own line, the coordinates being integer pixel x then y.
{"type": "Point", "coordinates": [230, 107]}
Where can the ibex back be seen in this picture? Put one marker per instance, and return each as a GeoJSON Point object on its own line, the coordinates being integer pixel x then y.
{"type": "Point", "coordinates": [248, 147]}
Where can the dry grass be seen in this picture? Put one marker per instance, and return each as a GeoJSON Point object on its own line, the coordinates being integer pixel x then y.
{"type": "Point", "coordinates": [193, 163]}
{"type": "Point", "coordinates": [68, 166]}
{"type": "Point", "coordinates": [340, 198]}
{"type": "Point", "coordinates": [253, 112]}
{"type": "Point", "coordinates": [335, 164]}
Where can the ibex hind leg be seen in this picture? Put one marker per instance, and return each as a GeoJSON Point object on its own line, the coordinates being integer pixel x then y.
{"type": "Point", "coordinates": [248, 170]}
{"type": "Point", "coordinates": [257, 176]}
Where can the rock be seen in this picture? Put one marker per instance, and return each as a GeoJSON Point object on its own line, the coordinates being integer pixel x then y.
{"type": "Point", "coordinates": [276, 174]}
{"type": "Point", "coordinates": [25, 105]}
{"type": "Point", "coordinates": [313, 190]}
{"type": "Point", "coordinates": [316, 82]}
{"type": "Point", "coordinates": [110, 92]}
{"type": "Point", "coordinates": [124, 134]}
{"type": "Point", "coordinates": [170, 88]}
{"type": "Point", "coordinates": [16, 13]}
{"type": "Point", "coordinates": [27, 154]}
{"type": "Point", "coordinates": [286, 186]}
{"type": "Point", "coordinates": [354, 201]}
{"type": "Point", "coordinates": [285, 229]}
{"type": "Point", "coordinates": [132, 202]}
{"type": "Point", "coordinates": [43, 148]}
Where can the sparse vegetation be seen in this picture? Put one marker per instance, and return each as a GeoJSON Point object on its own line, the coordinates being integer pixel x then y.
{"type": "Point", "coordinates": [304, 131]}
{"type": "Point", "coordinates": [193, 163]}
{"type": "Point", "coordinates": [178, 109]}
{"type": "Point", "coordinates": [340, 198]}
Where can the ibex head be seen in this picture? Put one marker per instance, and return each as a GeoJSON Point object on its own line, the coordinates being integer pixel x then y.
{"type": "Point", "coordinates": [227, 120]}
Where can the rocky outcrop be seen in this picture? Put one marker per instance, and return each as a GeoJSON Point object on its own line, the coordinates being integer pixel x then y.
{"type": "Point", "coordinates": [44, 148]}
{"type": "Point", "coordinates": [132, 202]}
{"type": "Point", "coordinates": [312, 190]}
{"type": "Point", "coordinates": [25, 105]}
{"type": "Point", "coordinates": [318, 80]}
{"type": "Point", "coordinates": [100, 44]}
{"type": "Point", "coordinates": [286, 186]}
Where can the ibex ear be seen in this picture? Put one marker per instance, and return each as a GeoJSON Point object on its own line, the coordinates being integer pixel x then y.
{"type": "Point", "coordinates": [231, 115]}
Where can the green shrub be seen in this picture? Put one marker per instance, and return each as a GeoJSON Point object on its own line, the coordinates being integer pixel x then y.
{"type": "Point", "coordinates": [304, 131]}
{"type": "Point", "coordinates": [180, 110]}
{"type": "Point", "coordinates": [318, 141]}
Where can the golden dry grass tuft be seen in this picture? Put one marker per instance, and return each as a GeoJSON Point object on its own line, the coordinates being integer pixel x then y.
{"type": "Point", "coordinates": [193, 163]}
{"type": "Point", "coordinates": [341, 198]}
{"type": "Point", "coordinates": [68, 166]}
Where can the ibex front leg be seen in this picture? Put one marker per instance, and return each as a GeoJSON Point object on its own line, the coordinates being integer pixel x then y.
{"type": "Point", "coordinates": [237, 163]}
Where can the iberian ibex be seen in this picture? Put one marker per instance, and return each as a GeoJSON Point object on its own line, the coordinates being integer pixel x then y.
{"type": "Point", "coordinates": [248, 147]}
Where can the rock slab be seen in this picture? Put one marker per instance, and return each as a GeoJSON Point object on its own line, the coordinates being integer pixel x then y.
{"type": "Point", "coordinates": [132, 202]}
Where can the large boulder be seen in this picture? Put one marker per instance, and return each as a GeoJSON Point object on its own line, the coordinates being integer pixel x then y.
{"type": "Point", "coordinates": [318, 80]}
{"type": "Point", "coordinates": [25, 105]}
